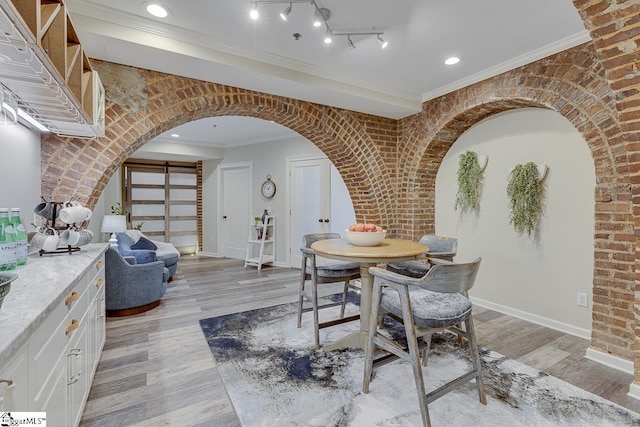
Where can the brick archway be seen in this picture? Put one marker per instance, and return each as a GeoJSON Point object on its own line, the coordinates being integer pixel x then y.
{"type": "Point", "coordinates": [589, 104]}
{"type": "Point", "coordinates": [155, 102]}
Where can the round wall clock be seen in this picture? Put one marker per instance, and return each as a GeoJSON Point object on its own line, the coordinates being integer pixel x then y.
{"type": "Point", "coordinates": [268, 188]}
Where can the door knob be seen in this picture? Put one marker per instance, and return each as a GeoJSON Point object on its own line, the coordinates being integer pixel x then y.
{"type": "Point", "coordinates": [326, 220]}
{"type": "Point", "coordinates": [224, 217]}
{"type": "Point", "coordinates": [320, 220]}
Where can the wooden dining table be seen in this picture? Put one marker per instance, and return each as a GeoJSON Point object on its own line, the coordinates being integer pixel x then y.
{"type": "Point", "coordinates": [389, 250]}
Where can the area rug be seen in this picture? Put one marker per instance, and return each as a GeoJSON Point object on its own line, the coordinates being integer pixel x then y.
{"type": "Point", "coordinates": [274, 377]}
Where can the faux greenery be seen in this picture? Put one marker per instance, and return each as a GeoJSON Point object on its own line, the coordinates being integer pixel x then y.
{"type": "Point", "coordinates": [117, 209]}
{"type": "Point", "coordinates": [526, 195]}
{"type": "Point", "coordinates": [469, 182]}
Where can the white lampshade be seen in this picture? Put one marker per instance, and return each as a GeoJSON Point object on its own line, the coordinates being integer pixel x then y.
{"type": "Point", "coordinates": [114, 224]}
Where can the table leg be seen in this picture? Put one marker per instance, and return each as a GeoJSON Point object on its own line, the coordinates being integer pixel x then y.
{"type": "Point", "coordinates": [359, 338]}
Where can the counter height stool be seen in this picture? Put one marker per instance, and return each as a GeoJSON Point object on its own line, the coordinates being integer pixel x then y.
{"type": "Point", "coordinates": [430, 304]}
{"type": "Point", "coordinates": [318, 274]}
{"type": "Point", "coordinates": [439, 247]}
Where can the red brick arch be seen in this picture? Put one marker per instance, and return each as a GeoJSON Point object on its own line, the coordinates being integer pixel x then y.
{"type": "Point", "coordinates": [81, 169]}
{"type": "Point", "coordinates": [572, 83]}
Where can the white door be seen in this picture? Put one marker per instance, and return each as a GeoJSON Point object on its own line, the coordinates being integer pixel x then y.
{"type": "Point", "coordinates": [317, 196]}
{"type": "Point", "coordinates": [235, 210]}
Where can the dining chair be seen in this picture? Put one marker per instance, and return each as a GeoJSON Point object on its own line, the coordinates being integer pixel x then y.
{"type": "Point", "coordinates": [430, 304]}
{"type": "Point", "coordinates": [439, 247]}
{"type": "Point", "coordinates": [334, 272]}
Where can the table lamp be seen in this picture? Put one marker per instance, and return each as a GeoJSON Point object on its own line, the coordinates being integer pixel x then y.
{"type": "Point", "coordinates": [114, 224]}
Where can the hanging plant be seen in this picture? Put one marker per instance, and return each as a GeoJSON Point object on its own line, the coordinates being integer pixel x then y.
{"type": "Point", "coordinates": [526, 193]}
{"type": "Point", "coordinates": [469, 182]}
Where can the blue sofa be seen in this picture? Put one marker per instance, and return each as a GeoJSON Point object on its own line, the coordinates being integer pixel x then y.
{"type": "Point", "coordinates": [132, 288]}
{"type": "Point", "coordinates": [134, 243]}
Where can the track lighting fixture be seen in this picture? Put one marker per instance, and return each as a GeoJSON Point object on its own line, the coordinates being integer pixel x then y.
{"type": "Point", "coordinates": [285, 12]}
{"type": "Point", "coordinates": [383, 43]}
{"type": "Point", "coordinates": [321, 17]}
{"type": "Point", "coordinates": [254, 12]}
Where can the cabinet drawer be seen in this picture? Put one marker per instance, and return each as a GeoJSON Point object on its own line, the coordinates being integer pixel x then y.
{"type": "Point", "coordinates": [52, 337]}
{"type": "Point", "coordinates": [96, 278]}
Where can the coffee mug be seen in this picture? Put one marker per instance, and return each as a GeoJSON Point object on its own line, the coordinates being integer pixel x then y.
{"type": "Point", "coordinates": [85, 237]}
{"type": "Point", "coordinates": [47, 209]}
{"type": "Point", "coordinates": [75, 214]}
{"type": "Point", "coordinates": [69, 237]}
{"type": "Point", "coordinates": [44, 241]}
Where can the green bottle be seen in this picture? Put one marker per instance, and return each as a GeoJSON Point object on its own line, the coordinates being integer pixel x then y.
{"type": "Point", "coordinates": [21, 236]}
{"type": "Point", "coordinates": [7, 242]}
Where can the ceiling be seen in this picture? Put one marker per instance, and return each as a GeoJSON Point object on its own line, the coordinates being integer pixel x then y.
{"type": "Point", "coordinates": [217, 41]}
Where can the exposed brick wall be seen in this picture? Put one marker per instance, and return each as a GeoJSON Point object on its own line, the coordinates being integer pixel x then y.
{"type": "Point", "coordinates": [390, 166]}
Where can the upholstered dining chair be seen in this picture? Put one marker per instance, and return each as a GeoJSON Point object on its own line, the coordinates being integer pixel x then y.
{"type": "Point", "coordinates": [333, 272]}
{"type": "Point", "coordinates": [432, 303]}
{"type": "Point", "coordinates": [439, 247]}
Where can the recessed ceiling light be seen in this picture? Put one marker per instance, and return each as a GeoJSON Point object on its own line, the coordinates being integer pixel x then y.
{"type": "Point", "coordinates": [157, 10]}
{"type": "Point", "coordinates": [451, 61]}
{"type": "Point", "coordinates": [175, 135]}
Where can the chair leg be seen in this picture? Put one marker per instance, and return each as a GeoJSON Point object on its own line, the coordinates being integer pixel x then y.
{"type": "Point", "coordinates": [425, 352]}
{"type": "Point", "coordinates": [475, 359]}
{"type": "Point", "coordinates": [344, 298]}
{"type": "Point", "coordinates": [314, 300]}
{"type": "Point", "coordinates": [301, 291]}
{"type": "Point", "coordinates": [373, 330]}
{"type": "Point", "coordinates": [414, 355]}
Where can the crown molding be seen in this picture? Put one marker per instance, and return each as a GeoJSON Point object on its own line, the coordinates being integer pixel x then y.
{"type": "Point", "coordinates": [519, 61]}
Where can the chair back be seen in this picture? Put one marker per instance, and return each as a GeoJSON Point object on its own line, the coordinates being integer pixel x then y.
{"type": "Point", "coordinates": [440, 246]}
{"type": "Point", "coordinates": [310, 239]}
{"type": "Point", "coordinates": [449, 278]}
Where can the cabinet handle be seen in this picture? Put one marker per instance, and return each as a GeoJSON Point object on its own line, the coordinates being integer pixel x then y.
{"type": "Point", "coordinates": [72, 327]}
{"type": "Point", "coordinates": [7, 396]}
{"type": "Point", "coordinates": [326, 220]}
{"type": "Point", "coordinates": [320, 220]}
{"type": "Point", "coordinates": [74, 365]}
{"type": "Point", "coordinates": [99, 282]}
{"type": "Point", "coordinates": [71, 298]}
{"type": "Point", "coordinates": [99, 265]}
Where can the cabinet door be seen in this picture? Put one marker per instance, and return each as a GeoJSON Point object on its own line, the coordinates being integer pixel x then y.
{"type": "Point", "coordinates": [96, 331]}
{"type": "Point", "coordinates": [54, 403]}
{"type": "Point", "coordinates": [14, 389]}
{"type": "Point", "coordinates": [78, 372]}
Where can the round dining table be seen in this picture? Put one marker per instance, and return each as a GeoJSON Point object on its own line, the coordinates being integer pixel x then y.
{"type": "Point", "coordinates": [389, 250]}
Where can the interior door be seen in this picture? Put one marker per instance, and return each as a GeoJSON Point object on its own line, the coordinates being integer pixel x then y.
{"type": "Point", "coordinates": [235, 210]}
{"type": "Point", "coordinates": [317, 196]}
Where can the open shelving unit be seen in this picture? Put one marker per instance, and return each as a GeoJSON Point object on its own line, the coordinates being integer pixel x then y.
{"type": "Point", "coordinates": [261, 244]}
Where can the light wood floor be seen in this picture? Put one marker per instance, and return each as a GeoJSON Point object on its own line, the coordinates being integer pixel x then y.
{"type": "Point", "coordinates": [156, 368]}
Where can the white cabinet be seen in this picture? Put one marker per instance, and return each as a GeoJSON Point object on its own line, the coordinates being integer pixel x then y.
{"type": "Point", "coordinates": [14, 382]}
{"type": "Point", "coordinates": [261, 244]}
{"type": "Point", "coordinates": [53, 370]}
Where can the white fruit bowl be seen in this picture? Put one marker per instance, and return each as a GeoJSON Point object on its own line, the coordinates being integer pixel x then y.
{"type": "Point", "coordinates": [365, 238]}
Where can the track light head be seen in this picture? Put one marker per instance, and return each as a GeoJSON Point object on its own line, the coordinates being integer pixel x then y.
{"type": "Point", "coordinates": [350, 42]}
{"type": "Point", "coordinates": [253, 14]}
{"type": "Point", "coordinates": [382, 41]}
{"type": "Point", "coordinates": [285, 12]}
{"type": "Point", "coordinates": [321, 16]}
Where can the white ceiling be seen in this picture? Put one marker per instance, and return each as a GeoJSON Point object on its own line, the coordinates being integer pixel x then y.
{"type": "Point", "coordinates": [216, 41]}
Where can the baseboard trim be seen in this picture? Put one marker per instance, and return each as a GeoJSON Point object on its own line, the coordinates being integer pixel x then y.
{"type": "Point", "coordinates": [209, 254]}
{"type": "Point", "coordinates": [634, 391]}
{"type": "Point", "coordinates": [534, 318]}
{"type": "Point", "coordinates": [611, 361]}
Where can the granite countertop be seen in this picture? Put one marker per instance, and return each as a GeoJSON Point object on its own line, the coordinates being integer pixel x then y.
{"type": "Point", "coordinates": [42, 284]}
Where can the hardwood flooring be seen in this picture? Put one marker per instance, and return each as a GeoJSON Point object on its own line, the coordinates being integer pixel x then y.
{"type": "Point", "coordinates": [156, 368]}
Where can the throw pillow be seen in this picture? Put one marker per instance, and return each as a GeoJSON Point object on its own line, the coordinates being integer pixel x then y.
{"type": "Point", "coordinates": [144, 243]}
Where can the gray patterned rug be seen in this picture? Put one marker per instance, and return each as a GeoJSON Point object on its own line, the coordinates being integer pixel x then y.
{"type": "Point", "coordinates": [274, 377]}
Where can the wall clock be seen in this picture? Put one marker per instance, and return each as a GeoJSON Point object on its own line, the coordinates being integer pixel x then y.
{"type": "Point", "coordinates": [268, 188]}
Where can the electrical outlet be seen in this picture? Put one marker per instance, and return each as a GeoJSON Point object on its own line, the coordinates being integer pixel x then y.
{"type": "Point", "coordinates": [582, 300]}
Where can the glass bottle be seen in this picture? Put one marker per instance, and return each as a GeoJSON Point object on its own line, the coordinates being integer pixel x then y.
{"type": "Point", "coordinates": [7, 242]}
{"type": "Point", "coordinates": [21, 236]}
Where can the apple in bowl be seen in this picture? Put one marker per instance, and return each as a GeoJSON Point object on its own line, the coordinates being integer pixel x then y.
{"type": "Point", "coordinates": [365, 234]}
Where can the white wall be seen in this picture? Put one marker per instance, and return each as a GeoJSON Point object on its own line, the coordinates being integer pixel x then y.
{"type": "Point", "coordinates": [534, 278]}
{"type": "Point", "coordinates": [20, 172]}
{"type": "Point", "coordinates": [267, 158]}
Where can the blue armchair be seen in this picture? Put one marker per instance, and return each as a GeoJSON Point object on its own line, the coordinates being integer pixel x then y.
{"type": "Point", "coordinates": [145, 250]}
{"type": "Point", "coordinates": [132, 288]}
